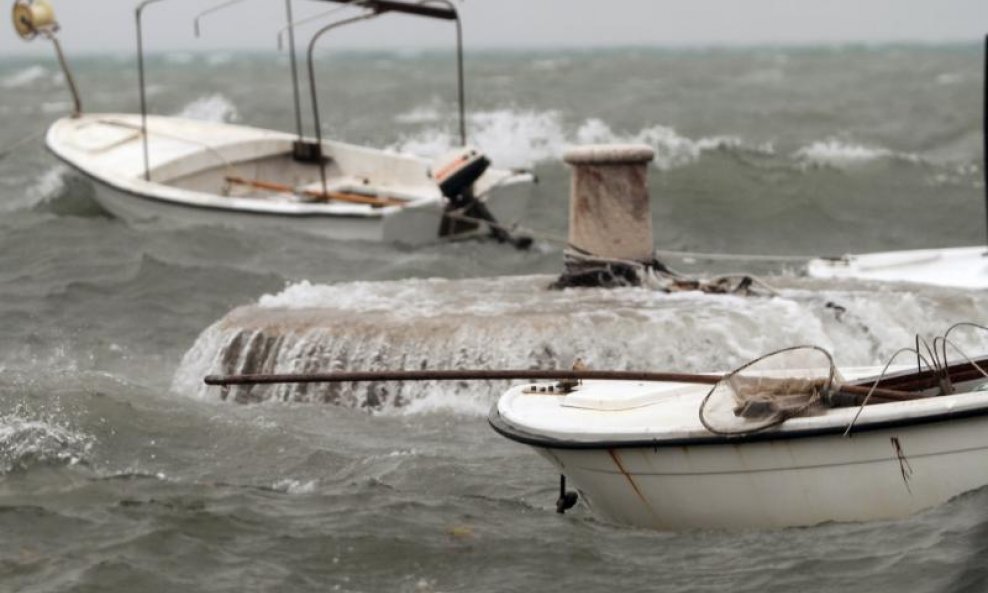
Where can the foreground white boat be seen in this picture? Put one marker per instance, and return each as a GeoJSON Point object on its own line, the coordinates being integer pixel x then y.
{"type": "Point", "coordinates": [385, 196]}
{"type": "Point", "coordinates": [960, 267]}
{"type": "Point", "coordinates": [638, 454]}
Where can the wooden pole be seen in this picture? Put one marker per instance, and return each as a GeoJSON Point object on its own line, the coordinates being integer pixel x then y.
{"type": "Point", "coordinates": [515, 375]}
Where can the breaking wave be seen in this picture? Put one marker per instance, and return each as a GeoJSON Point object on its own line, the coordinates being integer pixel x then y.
{"type": "Point", "coordinates": [23, 78]}
{"type": "Point", "coordinates": [836, 153]}
{"type": "Point", "coordinates": [515, 322]}
{"type": "Point", "coordinates": [522, 138]}
{"type": "Point", "coordinates": [517, 138]}
{"type": "Point", "coordinates": [214, 108]}
{"type": "Point", "coordinates": [26, 442]}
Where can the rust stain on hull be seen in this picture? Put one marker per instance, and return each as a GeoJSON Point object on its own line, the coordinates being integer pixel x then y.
{"type": "Point", "coordinates": [617, 461]}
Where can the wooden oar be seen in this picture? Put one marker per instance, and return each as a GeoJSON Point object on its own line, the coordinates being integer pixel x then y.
{"type": "Point", "coordinates": [378, 202]}
{"type": "Point", "coordinates": [515, 375]}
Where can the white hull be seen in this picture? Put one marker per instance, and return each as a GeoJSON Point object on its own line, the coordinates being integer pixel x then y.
{"type": "Point", "coordinates": [961, 267]}
{"type": "Point", "coordinates": [190, 161]}
{"type": "Point", "coordinates": [413, 225]}
{"type": "Point", "coordinates": [902, 458]}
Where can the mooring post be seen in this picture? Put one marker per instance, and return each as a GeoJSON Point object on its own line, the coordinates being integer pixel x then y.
{"type": "Point", "coordinates": [610, 216]}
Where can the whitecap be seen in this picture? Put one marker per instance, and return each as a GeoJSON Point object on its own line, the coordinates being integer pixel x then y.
{"type": "Point", "coordinates": [25, 442]}
{"type": "Point", "coordinates": [23, 78]}
{"type": "Point", "coordinates": [840, 154]}
{"type": "Point", "coordinates": [522, 138]}
{"type": "Point", "coordinates": [420, 115]}
{"type": "Point", "coordinates": [216, 108]}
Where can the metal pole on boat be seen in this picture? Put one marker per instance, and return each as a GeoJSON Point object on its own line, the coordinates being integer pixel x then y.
{"type": "Point", "coordinates": [138, 12]}
{"type": "Point", "coordinates": [210, 10]}
{"type": "Point", "coordinates": [294, 62]}
{"type": "Point", "coordinates": [35, 17]}
{"type": "Point", "coordinates": [314, 91]}
{"type": "Point", "coordinates": [566, 376]}
{"type": "Point", "coordinates": [984, 133]}
{"type": "Point", "coordinates": [69, 79]}
{"type": "Point", "coordinates": [461, 93]}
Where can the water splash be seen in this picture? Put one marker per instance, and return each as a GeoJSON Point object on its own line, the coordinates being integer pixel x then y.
{"type": "Point", "coordinates": [24, 78]}
{"type": "Point", "coordinates": [523, 138]}
{"type": "Point", "coordinates": [516, 323]}
{"type": "Point", "coordinates": [842, 155]}
{"type": "Point", "coordinates": [214, 108]}
{"type": "Point", "coordinates": [27, 442]}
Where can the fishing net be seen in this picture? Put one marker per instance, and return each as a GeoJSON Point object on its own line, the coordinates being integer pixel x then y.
{"type": "Point", "coordinates": [768, 390]}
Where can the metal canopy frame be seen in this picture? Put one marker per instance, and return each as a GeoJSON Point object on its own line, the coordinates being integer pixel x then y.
{"type": "Point", "coordinates": [424, 8]}
{"type": "Point", "coordinates": [376, 8]}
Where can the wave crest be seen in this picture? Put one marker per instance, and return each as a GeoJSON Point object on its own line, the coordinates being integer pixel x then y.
{"type": "Point", "coordinates": [523, 138]}
{"type": "Point", "coordinates": [215, 108]}
{"type": "Point", "coordinates": [26, 442]}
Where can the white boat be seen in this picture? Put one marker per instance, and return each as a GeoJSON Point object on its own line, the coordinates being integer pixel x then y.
{"type": "Point", "coordinates": [956, 267]}
{"type": "Point", "coordinates": [959, 267]}
{"type": "Point", "coordinates": [205, 173]}
{"type": "Point", "coordinates": [639, 454]}
{"type": "Point", "coordinates": [148, 168]}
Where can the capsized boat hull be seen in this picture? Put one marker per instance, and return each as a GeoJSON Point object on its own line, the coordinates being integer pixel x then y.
{"type": "Point", "coordinates": [191, 162]}
{"type": "Point", "coordinates": [961, 267]}
{"type": "Point", "coordinates": [902, 458]}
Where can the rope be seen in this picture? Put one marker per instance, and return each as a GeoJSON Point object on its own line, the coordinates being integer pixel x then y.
{"type": "Point", "coordinates": [661, 277]}
{"type": "Point", "coordinates": [557, 239]}
{"type": "Point", "coordinates": [733, 256]}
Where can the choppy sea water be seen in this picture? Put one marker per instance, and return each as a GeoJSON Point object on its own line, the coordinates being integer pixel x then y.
{"type": "Point", "coordinates": [118, 472]}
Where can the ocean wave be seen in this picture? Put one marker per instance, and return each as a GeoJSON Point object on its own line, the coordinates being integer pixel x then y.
{"type": "Point", "coordinates": [424, 114]}
{"type": "Point", "coordinates": [517, 323]}
{"type": "Point", "coordinates": [840, 154]}
{"type": "Point", "coordinates": [524, 138]}
{"type": "Point", "coordinates": [23, 78]}
{"type": "Point", "coordinates": [49, 185]}
{"type": "Point", "coordinates": [215, 108]}
{"type": "Point", "coordinates": [26, 442]}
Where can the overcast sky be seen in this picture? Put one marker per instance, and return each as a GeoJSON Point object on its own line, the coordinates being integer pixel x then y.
{"type": "Point", "coordinates": [108, 25]}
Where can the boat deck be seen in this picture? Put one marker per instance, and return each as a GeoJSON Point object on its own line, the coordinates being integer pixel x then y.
{"type": "Point", "coordinates": [626, 413]}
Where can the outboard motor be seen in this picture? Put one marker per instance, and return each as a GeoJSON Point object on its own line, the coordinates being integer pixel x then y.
{"type": "Point", "coordinates": [455, 173]}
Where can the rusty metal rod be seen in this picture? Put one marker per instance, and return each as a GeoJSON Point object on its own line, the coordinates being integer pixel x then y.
{"type": "Point", "coordinates": [515, 375]}
{"type": "Point", "coordinates": [382, 6]}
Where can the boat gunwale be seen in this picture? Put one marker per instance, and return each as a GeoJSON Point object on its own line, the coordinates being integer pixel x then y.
{"type": "Point", "coordinates": [510, 431]}
{"type": "Point", "coordinates": [217, 208]}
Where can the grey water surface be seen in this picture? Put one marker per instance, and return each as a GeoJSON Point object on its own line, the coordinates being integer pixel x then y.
{"type": "Point", "coordinates": [115, 477]}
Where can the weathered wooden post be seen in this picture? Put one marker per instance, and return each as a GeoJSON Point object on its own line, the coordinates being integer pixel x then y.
{"type": "Point", "coordinates": [610, 220]}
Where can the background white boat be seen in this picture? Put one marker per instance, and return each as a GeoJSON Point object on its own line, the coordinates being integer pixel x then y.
{"type": "Point", "coordinates": [961, 267]}
{"type": "Point", "coordinates": [639, 455]}
{"type": "Point", "coordinates": [155, 168]}
{"type": "Point", "coordinates": [192, 162]}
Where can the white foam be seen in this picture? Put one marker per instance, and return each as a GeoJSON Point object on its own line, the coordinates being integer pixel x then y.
{"type": "Point", "coordinates": [522, 138]}
{"type": "Point", "coordinates": [23, 78]}
{"type": "Point", "coordinates": [840, 154]}
{"type": "Point", "coordinates": [216, 108]}
{"type": "Point", "coordinates": [180, 58]}
{"type": "Point", "coordinates": [219, 59]}
{"type": "Point", "coordinates": [25, 442]}
{"type": "Point", "coordinates": [420, 115]}
{"type": "Point", "coordinates": [290, 486]}
{"type": "Point", "coordinates": [47, 186]}
{"type": "Point", "coordinates": [514, 322]}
